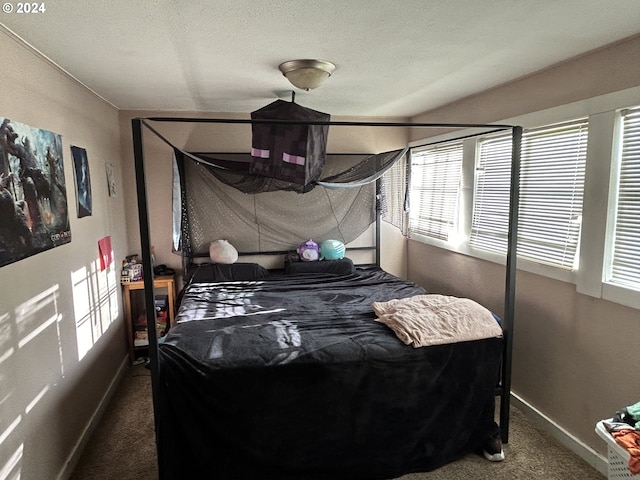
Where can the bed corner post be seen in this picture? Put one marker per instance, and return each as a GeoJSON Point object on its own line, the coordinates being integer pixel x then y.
{"type": "Point", "coordinates": [147, 265]}
{"type": "Point", "coordinates": [510, 284]}
{"type": "Point", "coordinates": [378, 218]}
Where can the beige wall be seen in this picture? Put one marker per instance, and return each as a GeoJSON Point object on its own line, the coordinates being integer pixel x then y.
{"type": "Point", "coordinates": [576, 358]}
{"type": "Point", "coordinates": [228, 138]}
{"type": "Point", "coordinates": [61, 331]}
{"type": "Point", "coordinates": [607, 70]}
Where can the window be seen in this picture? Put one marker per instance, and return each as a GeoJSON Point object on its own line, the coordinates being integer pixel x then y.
{"type": "Point", "coordinates": [435, 185]}
{"type": "Point", "coordinates": [551, 191]}
{"type": "Point", "coordinates": [598, 251]}
{"type": "Point", "coordinates": [490, 222]}
{"type": "Point", "coordinates": [624, 266]}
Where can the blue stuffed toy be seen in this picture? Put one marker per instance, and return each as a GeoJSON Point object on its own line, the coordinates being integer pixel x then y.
{"type": "Point", "coordinates": [331, 250]}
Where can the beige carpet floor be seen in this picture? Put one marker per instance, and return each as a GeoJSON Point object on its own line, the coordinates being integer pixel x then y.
{"type": "Point", "coordinates": [123, 447]}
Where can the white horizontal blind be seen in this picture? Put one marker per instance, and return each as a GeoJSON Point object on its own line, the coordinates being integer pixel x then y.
{"type": "Point", "coordinates": [394, 191]}
{"type": "Point", "coordinates": [551, 192]}
{"type": "Point", "coordinates": [490, 222]}
{"type": "Point", "coordinates": [435, 187]}
{"type": "Point", "coordinates": [625, 262]}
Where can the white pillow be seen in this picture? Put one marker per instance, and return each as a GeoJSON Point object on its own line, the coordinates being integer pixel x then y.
{"type": "Point", "coordinates": [222, 251]}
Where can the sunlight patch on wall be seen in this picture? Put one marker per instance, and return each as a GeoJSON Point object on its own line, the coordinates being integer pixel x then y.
{"type": "Point", "coordinates": [95, 303]}
{"type": "Point", "coordinates": [6, 393]}
{"type": "Point", "coordinates": [30, 341]}
{"type": "Point", "coordinates": [35, 315]}
{"type": "Point", "coordinates": [9, 430]}
{"type": "Point", "coordinates": [82, 310]}
{"type": "Point", "coordinates": [8, 346]}
{"type": "Point", "coordinates": [11, 469]}
{"type": "Point", "coordinates": [37, 331]}
{"type": "Point", "coordinates": [6, 342]}
{"type": "Point", "coordinates": [36, 399]}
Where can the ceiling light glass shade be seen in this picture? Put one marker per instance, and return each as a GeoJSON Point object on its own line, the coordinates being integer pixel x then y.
{"type": "Point", "coordinates": [307, 74]}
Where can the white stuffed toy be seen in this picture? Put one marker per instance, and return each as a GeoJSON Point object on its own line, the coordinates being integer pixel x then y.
{"type": "Point", "coordinates": [221, 251]}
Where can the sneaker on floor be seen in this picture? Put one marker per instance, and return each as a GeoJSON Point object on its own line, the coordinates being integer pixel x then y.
{"type": "Point", "coordinates": [492, 450]}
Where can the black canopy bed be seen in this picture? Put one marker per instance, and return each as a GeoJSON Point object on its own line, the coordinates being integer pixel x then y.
{"type": "Point", "coordinates": [288, 373]}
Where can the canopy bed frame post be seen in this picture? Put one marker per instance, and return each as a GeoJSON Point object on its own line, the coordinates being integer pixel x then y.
{"type": "Point", "coordinates": [147, 265]}
{"type": "Point", "coordinates": [378, 218]}
{"type": "Point", "coordinates": [510, 284]}
{"type": "Point", "coordinates": [185, 238]}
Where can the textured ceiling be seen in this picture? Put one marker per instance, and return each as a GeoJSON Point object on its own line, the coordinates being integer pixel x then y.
{"type": "Point", "coordinates": [397, 57]}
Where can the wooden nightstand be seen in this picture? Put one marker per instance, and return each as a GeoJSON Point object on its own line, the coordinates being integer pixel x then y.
{"type": "Point", "coordinates": [133, 299]}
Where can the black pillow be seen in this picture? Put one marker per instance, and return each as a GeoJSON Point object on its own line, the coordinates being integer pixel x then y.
{"type": "Point", "coordinates": [343, 266]}
{"type": "Point", "coordinates": [234, 272]}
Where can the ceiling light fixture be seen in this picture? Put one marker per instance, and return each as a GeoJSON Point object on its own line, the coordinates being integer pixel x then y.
{"type": "Point", "coordinates": [307, 74]}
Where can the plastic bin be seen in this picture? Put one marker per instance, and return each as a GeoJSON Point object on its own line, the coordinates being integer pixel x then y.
{"type": "Point", "coordinates": [618, 456]}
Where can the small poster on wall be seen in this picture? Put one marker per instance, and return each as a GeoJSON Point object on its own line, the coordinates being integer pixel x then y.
{"type": "Point", "coordinates": [33, 198]}
{"type": "Point", "coordinates": [83, 181]}
{"type": "Point", "coordinates": [111, 181]}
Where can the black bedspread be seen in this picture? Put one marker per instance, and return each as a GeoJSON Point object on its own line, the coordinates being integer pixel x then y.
{"type": "Point", "coordinates": [292, 378]}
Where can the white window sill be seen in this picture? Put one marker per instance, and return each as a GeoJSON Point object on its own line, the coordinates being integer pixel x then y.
{"type": "Point", "coordinates": [623, 296]}
{"type": "Point", "coordinates": [611, 293]}
{"type": "Point", "coordinates": [521, 264]}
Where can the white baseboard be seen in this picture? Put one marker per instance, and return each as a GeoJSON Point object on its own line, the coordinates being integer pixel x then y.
{"type": "Point", "coordinates": [77, 450]}
{"type": "Point", "coordinates": [566, 439]}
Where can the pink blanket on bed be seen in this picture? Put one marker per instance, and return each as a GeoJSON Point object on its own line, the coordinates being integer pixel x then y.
{"type": "Point", "coordinates": [424, 320]}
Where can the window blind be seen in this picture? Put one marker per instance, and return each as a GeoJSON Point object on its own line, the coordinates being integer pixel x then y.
{"type": "Point", "coordinates": [551, 191]}
{"type": "Point", "coordinates": [435, 186]}
{"type": "Point", "coordinates": [624, 269]}
{"type": "Point", "coordinates": [490, 221]}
